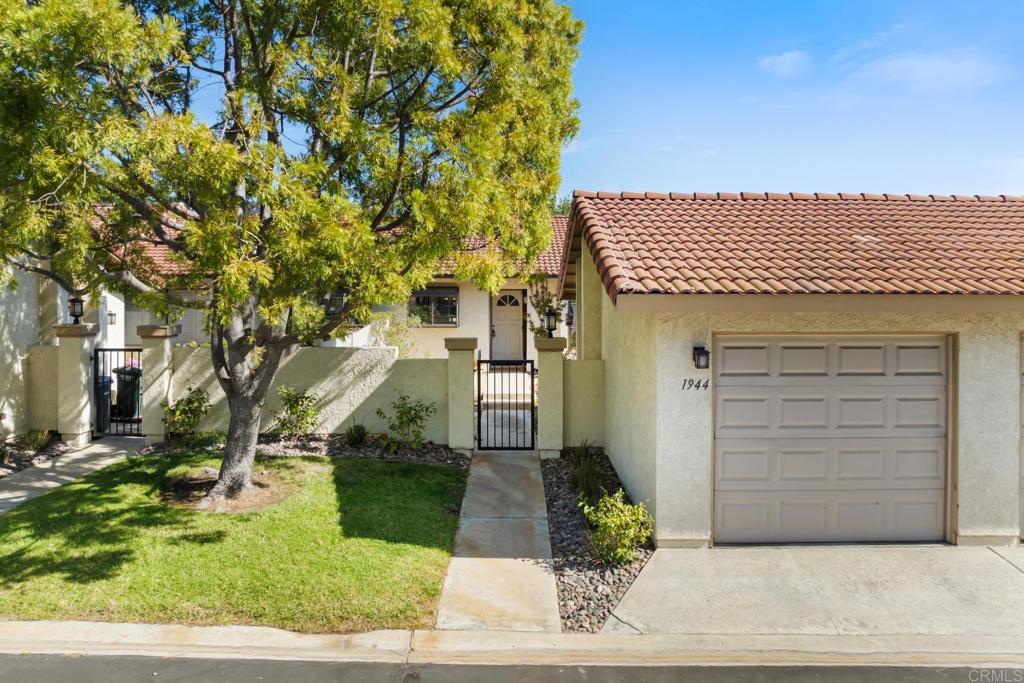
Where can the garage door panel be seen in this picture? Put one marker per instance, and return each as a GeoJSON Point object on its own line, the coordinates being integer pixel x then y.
{"type": "Point", "coordinates": [829, 464]}
{"type": "Point", "coordinates": [813, 361]}
{"type": "Point", "coordinates": [812, 516]}
{"type": "Point", "coordinates": [839, 411]}
{"type": "Point", "coordinates": [830, 438]}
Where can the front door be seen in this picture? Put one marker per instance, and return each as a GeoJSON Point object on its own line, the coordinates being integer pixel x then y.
{"type": "Point", "coordinates": [507, 326]}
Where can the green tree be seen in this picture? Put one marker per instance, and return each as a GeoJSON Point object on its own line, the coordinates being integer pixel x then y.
{"type": "Point", "coordinates": [301, 159]}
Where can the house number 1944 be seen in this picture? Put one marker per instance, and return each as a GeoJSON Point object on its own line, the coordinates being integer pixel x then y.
{"type": "Point", "coordinates": [695, 384]}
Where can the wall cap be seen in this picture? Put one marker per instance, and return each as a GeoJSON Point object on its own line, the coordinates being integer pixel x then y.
{"type": "Point", "coordinates": [550, 343]}
{"type": "Point", "coordinates": [81, 330]}
{"type": "Point", "coordinates": [157, 331]}
{"type": "Point", "coordinates": [460, 343]}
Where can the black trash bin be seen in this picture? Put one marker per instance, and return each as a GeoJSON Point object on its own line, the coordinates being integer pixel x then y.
{"type": "Point", "coordinates": [103, 404]}
{"type": "Point", "coordinates": [129, 393]}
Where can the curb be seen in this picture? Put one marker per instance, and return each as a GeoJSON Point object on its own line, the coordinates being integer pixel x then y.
{"type": "Point", "coordinates": [508, 648]}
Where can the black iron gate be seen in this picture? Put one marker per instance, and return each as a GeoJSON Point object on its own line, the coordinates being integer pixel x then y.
{"type": "Point", "coordinates": [506, 412]}
{"type": "Point", "coordinates": [117, 382]}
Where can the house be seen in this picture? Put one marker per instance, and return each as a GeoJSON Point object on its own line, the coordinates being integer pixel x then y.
{"type": "Point", "coordinates": [807, 367]}
{"type": "Point", "coordinates": [450, 308]}
{"type": "Point", "coordinates": [445, 308]}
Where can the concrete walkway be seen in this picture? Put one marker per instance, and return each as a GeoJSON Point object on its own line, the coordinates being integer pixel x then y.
{"type": "Point", "coordinates": [500, 577]}
{"type": "Point", "coordinates": [35, 481]}
{"type": "Point", "coordinates": [862, 591]}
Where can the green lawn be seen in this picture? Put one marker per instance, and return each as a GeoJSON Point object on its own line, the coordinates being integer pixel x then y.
{"type": "Point", "coordinates": [359, 545]}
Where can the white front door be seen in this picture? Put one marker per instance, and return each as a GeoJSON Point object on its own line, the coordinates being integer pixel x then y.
{"type": "Point", "coordinates": [507, 326]}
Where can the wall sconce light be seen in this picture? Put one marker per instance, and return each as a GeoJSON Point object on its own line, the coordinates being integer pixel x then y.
{"type": "Point", "coordinates": [111, 318]}
{"type": "Point", "coordinates": [701, 358]}
{"type": "Point", "coordinates": [77, 308]}
{"type": "Point", "coordinates": [550, 322]}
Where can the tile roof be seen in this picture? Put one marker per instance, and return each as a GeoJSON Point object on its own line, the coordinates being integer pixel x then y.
{"type": "Point", "coordinates": [549, 261]}
{"type": "Point", "coordinates": [791, 243]}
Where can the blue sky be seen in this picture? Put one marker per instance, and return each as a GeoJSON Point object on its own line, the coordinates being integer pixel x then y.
{"type": "Point", "coordinates": [865, 96]}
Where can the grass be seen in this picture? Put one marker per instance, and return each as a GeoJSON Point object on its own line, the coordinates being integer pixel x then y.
{"type": "Point", "coordinates": [359, 545]}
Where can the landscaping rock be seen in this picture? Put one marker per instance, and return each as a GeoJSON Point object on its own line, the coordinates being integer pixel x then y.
{"type": "Point", "coordinates": [588, 590]}
{"type": "Point", "coordinates": [14, 459]}
{"type": "Point", "coordinates": [333, 445]}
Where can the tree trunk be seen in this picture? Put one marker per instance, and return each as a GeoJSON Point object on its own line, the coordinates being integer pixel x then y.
{"type": "Point", "coordinates": [240, 450]}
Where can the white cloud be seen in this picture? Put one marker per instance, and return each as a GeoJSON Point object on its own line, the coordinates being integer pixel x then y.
{"type": "Point", "coordinates": [785, 64]}
{"type": "Point", "coordinates": [920, 72]}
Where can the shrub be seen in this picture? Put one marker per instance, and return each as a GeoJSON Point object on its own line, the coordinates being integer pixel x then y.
{"type": "Point", "coordinates": [619, 528]}
{"type": "Point", "coordinates": [355, 436]}
{"type": "Point", "coordinates": [182, 418]}
{"type": "Point", "coordinates": [587, 476]}
{"type": "Point", "coordinates": [299, 415]}
{"type": "Point", "coordinates": [407, 421]}
{"type": "Point", "coordinates": [35, 440]}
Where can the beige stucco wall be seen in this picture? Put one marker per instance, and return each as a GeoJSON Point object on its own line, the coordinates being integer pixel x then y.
{"type": "Point", "coordinates": [987, 397]}
{"type": "Point", "coordinates": [590, 301]}
{"type": "Point", "coordinates": [583, 408]}
{"type": "Point", "coordinates": [630, 370]}
{"type": "Point", "coordinates": [351, 383]}
{"type": "Point", "coordinates": [18, 320]}
{"type": "Point", "coordinates": [41, 380]}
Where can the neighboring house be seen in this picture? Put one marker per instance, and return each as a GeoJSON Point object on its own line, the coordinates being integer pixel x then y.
{"type": "Point", "coordinates": [450, 308]}
{"type": "Point", "coordinates": [863, 381]}
{"type": "Point", "coordinates": [27, 316]}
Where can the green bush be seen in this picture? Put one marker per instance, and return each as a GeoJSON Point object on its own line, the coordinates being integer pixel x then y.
{"type": "Point", "coordinates": [35, 440]}
{"type": "Point", "coordinates": [407, 421]}
{"type": "Point", "coordinates": [355, 436]}
{"type": "Point", "coordinates": [182, 418]}
{"type": "Point", "coordinates": [299, 415]}
{"type": "Point", "coordinates": [619, 528]}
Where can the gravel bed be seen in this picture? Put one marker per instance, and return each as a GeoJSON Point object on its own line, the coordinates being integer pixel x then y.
{"type": "Point", "coordinates": [333, 445]}
{"type": "Point", "coordinates": [14, 459]}
{"type": "Point", "coordinates": [588, 590]}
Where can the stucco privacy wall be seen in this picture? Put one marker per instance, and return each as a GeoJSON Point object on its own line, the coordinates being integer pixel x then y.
{"type": "Point", "coordinates": [351, 383]}
{"type": "Point", "coordinates": [631, 372]}
{"type": "Point", "coordinates": [987, 426]}
{"type": "Point", "coordinates": [583, 402]}
{"type": "Point", "coordinates": [17, 334]}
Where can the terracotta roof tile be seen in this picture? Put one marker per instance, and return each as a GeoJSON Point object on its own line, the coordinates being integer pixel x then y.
{"type": "Point", "coordinates": [792, 243]}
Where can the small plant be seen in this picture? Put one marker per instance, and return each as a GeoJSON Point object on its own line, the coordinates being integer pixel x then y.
{"type": "Point", "coordinates": [587, 474]}
{"type": "Point", "coordinates": [407, 421]}
{"type": "Point", "coordinates": [355, 436]}
{"type": "Point", "coordinates": [619, 528]}
{"type": "Point", "coordinates": [182, 418]}
{"type": "Point", "coordinates": [299, 415]}
{"type": "Point", "coordinates": [35, 440]}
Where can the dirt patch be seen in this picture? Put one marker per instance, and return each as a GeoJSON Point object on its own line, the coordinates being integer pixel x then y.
{"type": "Point", "coordinates": [268, 488]}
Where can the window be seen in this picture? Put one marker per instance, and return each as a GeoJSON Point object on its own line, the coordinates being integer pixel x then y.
{"type": "Point", "coordinates": [436, 306]}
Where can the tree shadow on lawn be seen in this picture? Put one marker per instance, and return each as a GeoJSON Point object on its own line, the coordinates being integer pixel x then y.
{"type": "Point", "coordinates": [85, 531]}
{"type": "Point", "coordinates": [398, 502]}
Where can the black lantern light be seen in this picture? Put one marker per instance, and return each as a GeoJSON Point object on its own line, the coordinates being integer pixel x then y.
{"type": "Point", "coordinates": [550, 322]}
{"type": "Point", "coordinates": [701, 358]}
{"type": "Point", "coordinates": [77, 308]}
{"type": "Point", "coordinates": [111, 318]}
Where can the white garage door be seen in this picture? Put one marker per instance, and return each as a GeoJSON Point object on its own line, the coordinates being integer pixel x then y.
{"type": "Point", "coordinates": [830, 439]}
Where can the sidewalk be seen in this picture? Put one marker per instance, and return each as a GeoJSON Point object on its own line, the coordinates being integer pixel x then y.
{"type": "Point", "coordinates": [500, 577]}
{"type": "Point", "coordinates": [37, 480]}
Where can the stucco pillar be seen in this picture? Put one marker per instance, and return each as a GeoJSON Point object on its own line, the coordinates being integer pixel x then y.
{"type": "Point", "coordinates": [550, 391]}
{"type": "Point", "coordinates": [156, 377]}
{"type": "Point", "coordinates": [48, 310]}
{"type": "Point", "coordinates": [589, 295]}
{"type": "Point", "coordinates": [74, 386]}
{"type": "Point", "coordinates": [460, 391]}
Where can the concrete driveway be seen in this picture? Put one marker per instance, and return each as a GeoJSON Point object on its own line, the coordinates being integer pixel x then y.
{"type": "Point", "coordinates": [828, 590]}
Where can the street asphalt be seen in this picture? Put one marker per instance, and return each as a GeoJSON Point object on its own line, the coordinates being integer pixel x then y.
{"type": "Point", "coordinates": [108, 669]}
